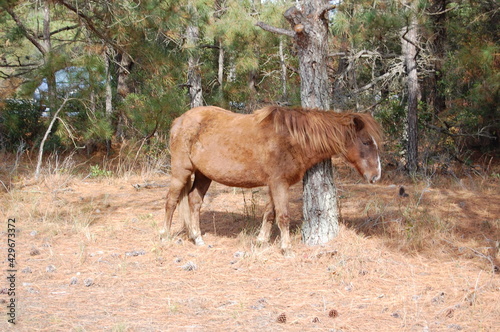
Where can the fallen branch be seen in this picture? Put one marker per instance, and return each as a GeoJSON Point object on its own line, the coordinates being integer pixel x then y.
{"type": "Point", "coordinates": [481, 133]}
{"type": "Point", "coordinates": [479, 254]}
{"type": "Point", "coordinates": [47, 132]}
{"type": "Point", "coordinates": [148, 185]}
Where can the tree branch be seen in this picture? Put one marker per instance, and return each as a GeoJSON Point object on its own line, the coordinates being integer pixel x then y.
{"type": "Point", "coordinates": [209, 46]}
{"type": "Point", "coordinates": [411, 41]}
{"type": "Point", "coordinates": [442, 11]}
{"type": "Point", "coordinates": [47, 132]}
{"type": "Point", "coordinates": [325, 10]}
{"type": "Point", "coordinates": [481, 132]}
{"type": "Point", "coordinates": [373, 83]}
{"type": "Point", "coordinates": [28, 34]}
{"type": "Point", "coordinates": [272, 29]}
{"type": "Point", "coordinates": [6, 65]}
{"type": "Point", "coordinates": [64, 29]}
{"type": "Point", "coordinates": [90, 25]}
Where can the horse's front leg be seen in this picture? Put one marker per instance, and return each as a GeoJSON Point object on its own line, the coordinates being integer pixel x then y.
{"type": "Point", "coordinates": [279, 194]}
{"type": "Point", "coordinates": [267, 223]}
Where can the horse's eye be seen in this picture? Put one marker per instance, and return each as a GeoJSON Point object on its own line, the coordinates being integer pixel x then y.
{"type": "Point", "coordinates": [367, 143]}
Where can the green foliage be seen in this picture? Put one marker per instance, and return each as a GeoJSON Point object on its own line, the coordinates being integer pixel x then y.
{"type": "Point", "coordinates": [99, 129]}
{"type": "Point", "coordinates": [20, 123]}
{"type": "Point", "coordinates": [472, 72]}
{"type": "Point", "coordinates": [392, 117]}
{"type": "Point", "coordinates": [474, 82]}
{"type": "Point", "coordinates": [366, 34]}
{"type": "Point", "coordinates": [97, 172]}
{"type": "Point", "coordinates": [15, 34]}
{"type": "Point", "coordinates": [150, 113]}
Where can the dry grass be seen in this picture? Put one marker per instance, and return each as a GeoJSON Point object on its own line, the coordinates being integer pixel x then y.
{"type": "Point", "coordinates": [424, 262]}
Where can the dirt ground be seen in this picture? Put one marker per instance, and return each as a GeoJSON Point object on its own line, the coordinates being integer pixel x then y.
{"type": "Point", "coordinates": [89, 258]}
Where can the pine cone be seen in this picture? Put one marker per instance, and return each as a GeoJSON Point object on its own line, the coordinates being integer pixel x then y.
{"type": "Point", "coordinates": [281, 318]}
{"type": "Point", "coordinates": [333, 313]}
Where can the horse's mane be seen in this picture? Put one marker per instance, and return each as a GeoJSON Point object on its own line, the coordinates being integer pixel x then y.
{"type": "Point", "coordinates": [326, 132]}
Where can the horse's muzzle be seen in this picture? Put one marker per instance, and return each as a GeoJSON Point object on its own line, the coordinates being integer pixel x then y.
{"type": "Point", "coordinates": [372, 178]}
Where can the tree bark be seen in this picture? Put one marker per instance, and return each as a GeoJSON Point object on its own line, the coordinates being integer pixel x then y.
{"type": "Point", "coordinates": [220, 71]}
{"type": "Point", "coordinates": [340, 95]}
{"type": "Point", "coordinates": [284, 93]}
{"type": "Point", "coordinates": [194, 75]}
{"type": "Point", "coordinates": [108, 108]}
{"type": "Point", "coordinates": [434, 93]}
{"type": "Point", "coordinates": [409, 42]}
{"type": "Point", "coordinates": [320, 208]}
{"type": "Point", "coordinates": [123, 89]}
{"type": "Point", "coordinates": [51, 76]}
{"type": "Point", "coordinates": [311, 39]}
{"type": "Point", "coordinates": [109, 91]}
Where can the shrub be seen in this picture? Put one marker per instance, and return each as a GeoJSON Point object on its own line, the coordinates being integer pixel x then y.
{"type": "Point", "coordinates": [20, 123]}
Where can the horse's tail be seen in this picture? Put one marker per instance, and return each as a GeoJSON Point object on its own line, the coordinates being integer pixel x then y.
{"type": "Point", "coordinates": [183, 208]}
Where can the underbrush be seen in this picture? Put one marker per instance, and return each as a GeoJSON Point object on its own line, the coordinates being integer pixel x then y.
{"type": "Point", "coordinates": [133, 157]}
{"type": "Point", "coordinates": [442, 214]}
{"type": "Point", "coordinates": [429, 212]}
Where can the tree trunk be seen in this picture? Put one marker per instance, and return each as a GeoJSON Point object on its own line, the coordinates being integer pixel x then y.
{"type": "Point", "coordinates": [109, 91]}
{"type": "Point", "coordinates": [123, 89]}
{"type": "Point", "coordinates": [409, 48]}
{"type": "Point", "coordinates": [191, 44]}
{"type": "Point", "coordinates": [47, 56]}
{"type": "Point", "coordinates": [284, 94]}
{"type": "Point", "coordinates": [320, 207]}
{"type": "Point", "coordinates": [107, 55]}
{"type": "Point", "coordinates": [220, 71]}
{"type": "Point", "coordinates": [194, 76]}
{"type": "Point", "coordinates": [311, 38]}
{"type": "Point", "coordinates": [434, 93]}
{"type": "Point", "coordinates": [340, 93]}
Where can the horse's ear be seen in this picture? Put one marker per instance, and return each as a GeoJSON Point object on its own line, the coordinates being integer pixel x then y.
{"type": "Point", "coordinates": [359, 124]}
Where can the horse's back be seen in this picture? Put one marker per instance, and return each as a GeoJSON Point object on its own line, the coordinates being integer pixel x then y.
{"type": "Point", "coordinates": [212, 121]}
{"type": "Point", "coordinates": [203, 113]}
{"type": "Point", "coordinates": [191, 121]}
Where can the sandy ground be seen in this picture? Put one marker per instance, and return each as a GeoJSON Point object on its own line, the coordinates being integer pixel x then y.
{"type": "Point", "coordinates": [89, 258]}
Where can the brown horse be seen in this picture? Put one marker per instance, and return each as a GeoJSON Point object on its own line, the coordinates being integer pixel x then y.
{"type": "Point", "coordinates": [272, 147]}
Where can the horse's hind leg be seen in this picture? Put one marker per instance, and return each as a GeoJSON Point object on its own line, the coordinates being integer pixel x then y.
{"type": "Point", "coordinates": [200, 187]}
{"type": "Point", "coordinates": [267, 223]}
{"type": "Point", "coordinates": [180, 182]}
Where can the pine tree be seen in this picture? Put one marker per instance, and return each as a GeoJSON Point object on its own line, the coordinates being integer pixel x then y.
{"type": "Point", "coordinates": [309, 24]}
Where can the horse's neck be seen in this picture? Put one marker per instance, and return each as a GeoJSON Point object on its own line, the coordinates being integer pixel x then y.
{"type": "Point", "coordinates": [310, 157]}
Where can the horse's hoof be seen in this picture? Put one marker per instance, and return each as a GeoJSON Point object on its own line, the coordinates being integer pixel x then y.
{"type": "Point", "coordinates": [199, 241]}
{"type": "Point", "coordinates": [164, 234]}
{"type": "Point", "coordinates": [288, 253]}
{"type": "Point", "coordinates": [261, 243]}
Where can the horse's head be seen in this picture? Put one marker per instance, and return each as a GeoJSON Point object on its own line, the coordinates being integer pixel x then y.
{"type": "Point", "coordinates": [363, 150]}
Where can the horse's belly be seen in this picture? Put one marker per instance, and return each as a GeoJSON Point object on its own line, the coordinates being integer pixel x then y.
{"type": "Point", "coordinates": [230, 167]}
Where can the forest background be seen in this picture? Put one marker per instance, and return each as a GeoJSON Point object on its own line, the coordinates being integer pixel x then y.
{"type": "Point", "coordinates": [116, 72]}
{"type": "Point", "coordinates": [96, 84]}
